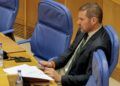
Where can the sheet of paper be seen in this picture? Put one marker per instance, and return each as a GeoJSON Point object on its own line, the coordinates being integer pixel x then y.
{"type": "Point", "coordinates": [28, 71]}
{"type": "Point", "coordinates": [14, 70]}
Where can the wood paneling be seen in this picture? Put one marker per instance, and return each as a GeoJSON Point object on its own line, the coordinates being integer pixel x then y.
{"type": "Point", "coordinates": [26, 18]}
{"type": "Point", "coordinates": [112, 14]}
{"type": "Point", "coordinates": [61, 1]}
{"type": "Point", "coordinates": [20, 15]}
{"type": "Point", "coordinates": [116, 1]}
{"type": "Point", "coordinates": [32, 12]}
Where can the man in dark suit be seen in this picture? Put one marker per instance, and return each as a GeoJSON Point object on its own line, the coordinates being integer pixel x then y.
{"type": "Point", "coordinates": [90, 37]}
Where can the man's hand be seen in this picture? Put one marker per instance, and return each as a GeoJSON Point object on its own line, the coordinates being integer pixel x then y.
{"type": "Point", "coordinates": [47, 64]}
{"type": "Point", "coordinates": [52, 73]}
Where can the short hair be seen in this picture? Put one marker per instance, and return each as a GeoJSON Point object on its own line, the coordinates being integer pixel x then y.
{"type": "Point", "coordinates": [93, 10]}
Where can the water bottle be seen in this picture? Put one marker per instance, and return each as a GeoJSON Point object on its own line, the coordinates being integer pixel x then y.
{"type": "Point", "coordinates": [19, 81]}
{"type": "Point", "coordinates": [1, 55]}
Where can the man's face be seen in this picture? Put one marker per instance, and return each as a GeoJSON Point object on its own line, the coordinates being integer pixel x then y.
{"type": "Point", "coordinates": [84, 22]}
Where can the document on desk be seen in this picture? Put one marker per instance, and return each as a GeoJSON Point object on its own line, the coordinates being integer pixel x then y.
{"type": "Point", "coordinates": [28, 71]}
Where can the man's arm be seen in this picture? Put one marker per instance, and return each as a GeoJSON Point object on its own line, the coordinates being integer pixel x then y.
{"type": "Point", "coordinates": [71, 80]}
{"type": "Point", "coordinates": [76, 80]}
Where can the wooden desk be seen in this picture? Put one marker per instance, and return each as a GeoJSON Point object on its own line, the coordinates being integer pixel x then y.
{"type": "Point", "coordinates": [9, 45]}
{"type": "Point", "coordinates": [10, 63]}
{"type": "Point", "coordinates": [3, 78]}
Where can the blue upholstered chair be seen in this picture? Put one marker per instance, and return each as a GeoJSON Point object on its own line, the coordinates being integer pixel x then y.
{"type": "Point", "coordinates": [100, 72]}
{"type": "Point", "coordinates": [53, 30]}
{"type": "Point", "coordinates": [8, 12]}
{"type": "Point", "coordinates": [115, 48]}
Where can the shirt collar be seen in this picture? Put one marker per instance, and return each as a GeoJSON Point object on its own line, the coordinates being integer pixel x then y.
{"type": "Point", "coordinates": [93, 32]}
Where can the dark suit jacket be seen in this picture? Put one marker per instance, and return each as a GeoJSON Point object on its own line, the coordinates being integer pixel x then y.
{"type": "Point", "coordinates": [82, 67]}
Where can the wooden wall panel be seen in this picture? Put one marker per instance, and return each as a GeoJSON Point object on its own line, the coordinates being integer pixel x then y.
{"type": "Point", "coordinates": [100, 2]}
{"type": "Point", "coordinates": [26, 18]}
{"type": "Point", "coordinates": [20, 16]}
{"type": "Point", "coordinates": [30, 8]}
{"type": "Point", "coordinates": [61, 1]}
{"type": "Point", "coordinates": [112, 14]}
{"type": "Point", "coordinates": [32, 12]}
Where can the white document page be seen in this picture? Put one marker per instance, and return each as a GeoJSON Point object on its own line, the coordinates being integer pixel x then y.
{"type": "Point", "coordinates": [28, 71]}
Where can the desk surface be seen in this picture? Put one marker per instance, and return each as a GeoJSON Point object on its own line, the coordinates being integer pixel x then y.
{"type": "Point", "coordinates": [9, 63]}
{"type": "Point", "coordinates": [3, 78]}
{"type": "Point", "coordinates": [8, 45]}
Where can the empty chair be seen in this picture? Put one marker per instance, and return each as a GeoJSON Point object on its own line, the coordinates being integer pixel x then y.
{"type": "Point", "coordinates": [53, 31]}
{"type": "Point", "coordinates": [100, 72]}
{"type": "Point", "coordinates": [115, 48]}
{"type": "Point", "coordinates": [8, 12]}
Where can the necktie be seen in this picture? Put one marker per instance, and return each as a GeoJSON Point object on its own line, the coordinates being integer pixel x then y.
{"type": "Point", "coordinates": [77, 52]}
{"type": "Point", "coordinates": [83, 41]}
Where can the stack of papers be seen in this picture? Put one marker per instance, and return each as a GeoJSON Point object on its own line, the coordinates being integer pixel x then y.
{"type": "Point", "coordinates": [28, 71]}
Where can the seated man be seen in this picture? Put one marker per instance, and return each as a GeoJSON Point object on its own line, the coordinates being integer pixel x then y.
{"type": "Point", "coordinates": [90, 37]}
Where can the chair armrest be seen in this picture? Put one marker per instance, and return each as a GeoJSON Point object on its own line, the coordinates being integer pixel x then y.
{"type": "Point", "coordinates": [8, 31]}
{"type": "Point", "coordinates": [24, 41]}
{"type": "Point", "coordinates": [53, 58]}
{"type": "Point", "coordinates": [91, 81]}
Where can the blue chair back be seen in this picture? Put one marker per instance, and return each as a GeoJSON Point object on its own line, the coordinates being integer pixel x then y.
{"type": "Point", "coordinates": [53, 31]}
{"type": "Point", "coordinates": [100, 72]}
{"type": "Point", "coordinates": [8, 12]}
{"type": "Point", "coordinates": [115, 48]}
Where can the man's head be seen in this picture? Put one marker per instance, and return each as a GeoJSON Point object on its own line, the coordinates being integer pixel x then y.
{"type": "Point", "coordinates": [89, 17]}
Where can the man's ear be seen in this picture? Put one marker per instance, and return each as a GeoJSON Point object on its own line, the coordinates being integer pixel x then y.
{"type": "Point", "coordinates": [94, 20]}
